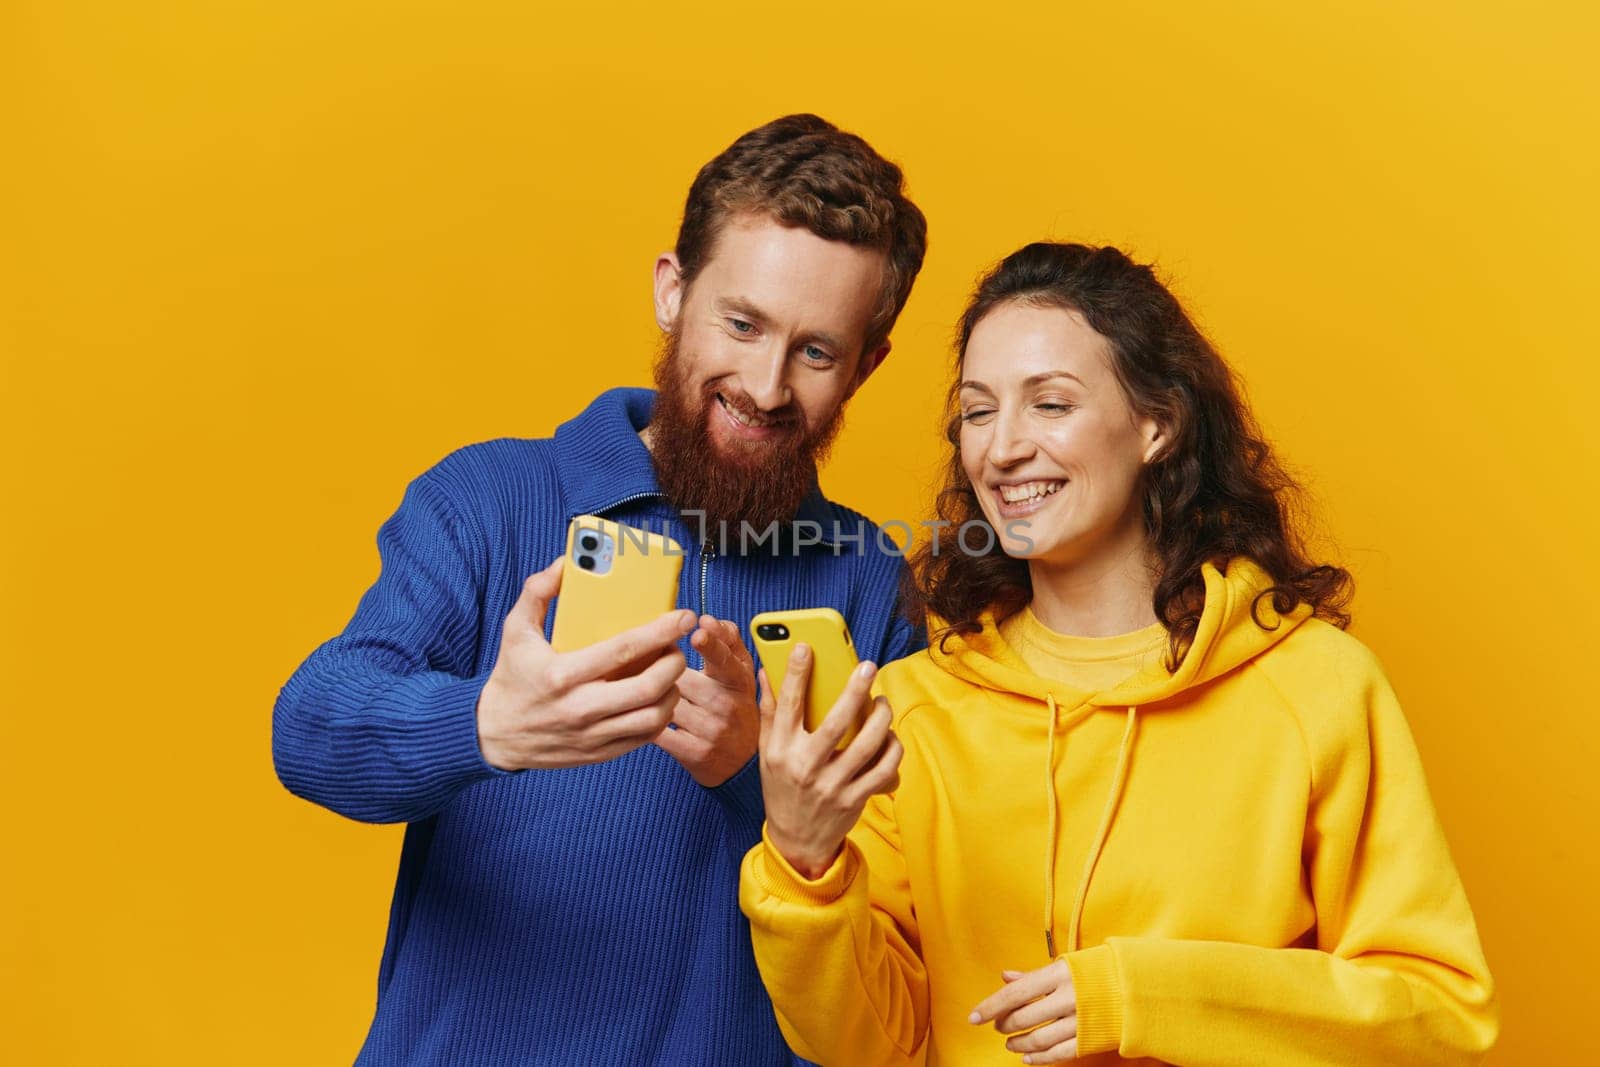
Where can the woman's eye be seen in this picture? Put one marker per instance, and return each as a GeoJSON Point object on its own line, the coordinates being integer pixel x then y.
{"type": "Point", "coordinates": [974, 414]}
{"type": "Point", "coordinates": [1056, 408]}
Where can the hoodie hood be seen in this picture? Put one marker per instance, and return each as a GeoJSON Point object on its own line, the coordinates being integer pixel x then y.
{"type": "Point", "coordinates": [1236, 625]}
{"type": "Point", "coordinates": [1229, 636]}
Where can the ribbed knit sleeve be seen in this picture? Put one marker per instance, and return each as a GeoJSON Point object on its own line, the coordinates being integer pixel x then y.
{"type": "Point", "coordinates": [380, 723]}
{"type": "Point", "coordinates": [740, 797]}
{"type": "Point", "coordinates": [585, 914]}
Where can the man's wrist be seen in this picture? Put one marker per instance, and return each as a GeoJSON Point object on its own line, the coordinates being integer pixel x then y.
{"type": "Point", "coordinates": [494, 754]}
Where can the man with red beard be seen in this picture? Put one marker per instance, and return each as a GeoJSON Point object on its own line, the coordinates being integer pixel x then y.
{"type": "Point", "coordinates": [568, 885]}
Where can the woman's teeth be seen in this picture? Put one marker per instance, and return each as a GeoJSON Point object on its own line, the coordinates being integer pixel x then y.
{"type": "Point", "coordinates": [1021, 494]}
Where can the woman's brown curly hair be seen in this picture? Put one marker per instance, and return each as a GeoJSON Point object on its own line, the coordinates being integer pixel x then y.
{"type": "Point", "coordinates": [1214, 492]}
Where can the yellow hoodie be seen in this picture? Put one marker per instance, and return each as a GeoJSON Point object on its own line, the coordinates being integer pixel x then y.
{"type": "Point", "coordinates": [1250, 866]}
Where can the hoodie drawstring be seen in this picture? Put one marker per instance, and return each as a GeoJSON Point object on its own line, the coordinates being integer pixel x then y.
{"type": "Point", "coordinates": [1124, 752]}
{"type": "Point", "coordinates": [1050, 841]}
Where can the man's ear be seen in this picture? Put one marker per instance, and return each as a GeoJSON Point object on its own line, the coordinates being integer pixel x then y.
{"type": "Point", "coordinates": [668, 290]}
{"type": "Point", "coordinates": [870, 361]}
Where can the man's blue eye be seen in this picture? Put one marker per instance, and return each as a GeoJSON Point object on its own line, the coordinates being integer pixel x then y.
{"type": "Point", "coordinates": [815, 353]}
{"type": "Point", "coordinates": [740, 326]}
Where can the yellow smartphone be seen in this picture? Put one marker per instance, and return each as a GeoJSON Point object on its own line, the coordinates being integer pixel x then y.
{"type": "Point", "coordinates": [833, 656]}
{"type": "Point", "coordinates": [616, 577]}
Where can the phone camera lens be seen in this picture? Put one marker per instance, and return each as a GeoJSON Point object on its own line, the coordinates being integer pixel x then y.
{"type": "Point", "coordinates": [589, 542]}
{"type": "Point", "coordinates": [586, 562]}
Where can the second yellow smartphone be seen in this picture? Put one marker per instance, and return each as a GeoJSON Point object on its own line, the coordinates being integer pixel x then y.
{"type": "Point", "coordinates": [616, 577]}
{"type": "Point", "coordinates": [833, 656]}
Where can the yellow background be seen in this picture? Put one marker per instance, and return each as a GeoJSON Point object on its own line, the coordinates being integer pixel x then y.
{"type": "Point", "coordinates": [263, 262]}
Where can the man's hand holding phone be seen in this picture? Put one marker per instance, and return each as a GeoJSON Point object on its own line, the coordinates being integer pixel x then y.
{"type": "Point", "coordinates": [815, 792]}
{"type": "Point", "coordinates": [543, 708]}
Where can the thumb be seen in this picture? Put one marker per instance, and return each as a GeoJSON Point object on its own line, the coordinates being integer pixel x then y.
{"type": "Point", "coordinates": [533, 604]}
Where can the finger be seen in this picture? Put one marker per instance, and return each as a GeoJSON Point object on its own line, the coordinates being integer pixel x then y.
{"type": "Point", "coordinates": [1048, 1035]}
{"type": "Point", "coordinates": [864, 751]}
{"type": "Point", "coordinates": [847, 710]}
{"type": "Point", "coordinates": [606, 657]}
{"type": "Point", "coordinates": [735, 643]}
{"type": "Point", "coordinates": [1058, 1005]}
{"type": "Point", "coordinates": [683, 746]}
{"type": "Point", "coordinates": [721, 664]}
{"type": "Point", "coordinates": [637, 724]}
{"type": "Point", "coordinates": [883, 776]}
{"type": "Point", "coordinates": [692, 718]}
{"type": "Point", "coordinates": [708, 705]}
{"type": "Point", "coordinates": [612, 749]}
{"type": "Point", "coordinates": [789, 718]}
{"type": "Point", "coordinates": [1011, 996]}
{"type": "Point", "coordinates": [717, 630]}
{"type": "Point", "coordinates": [1062, 1053]}
{"type": "Point", "coordinates": [601, 700]}
{"type": "Point", "coordinates": [533, 602]}
{"type": "Point", "coordinates": [701, 691]}
{"type": "Point", "coordinates": [766, 704]}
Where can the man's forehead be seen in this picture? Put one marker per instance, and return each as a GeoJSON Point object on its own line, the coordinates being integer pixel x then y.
{"type": "Point", "coordinates": [779, 270]}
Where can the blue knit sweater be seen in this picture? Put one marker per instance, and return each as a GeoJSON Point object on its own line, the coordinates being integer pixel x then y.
{"type": "Point", "coordinates": [580, 916]}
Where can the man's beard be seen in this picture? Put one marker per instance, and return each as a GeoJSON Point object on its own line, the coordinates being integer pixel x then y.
{"type": "Point", "coordinates": [755, 482]}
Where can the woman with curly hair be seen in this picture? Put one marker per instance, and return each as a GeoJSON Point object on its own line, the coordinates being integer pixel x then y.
{"type": "Point", "coordinates": [1143, 797]}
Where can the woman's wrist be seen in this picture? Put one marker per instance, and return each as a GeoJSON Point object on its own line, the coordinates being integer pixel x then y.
{"type": "Point", "coordinates": [809, 862]}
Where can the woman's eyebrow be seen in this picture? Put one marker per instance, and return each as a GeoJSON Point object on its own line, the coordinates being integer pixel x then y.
{"type": "Point", "coordinates": [1036, 379]}
{"type": "Point", "coordinates": [1028, 382]}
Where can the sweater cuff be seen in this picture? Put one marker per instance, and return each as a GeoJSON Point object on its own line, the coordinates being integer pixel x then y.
{"type": "Point", "coordinates": [1099, 991]}
{"type": "Point", "coordinates": [443, 734]}
{"type": "Point", "coordinates": [740, 797]}
{"type": "Point", "coordinates": [775, 877]}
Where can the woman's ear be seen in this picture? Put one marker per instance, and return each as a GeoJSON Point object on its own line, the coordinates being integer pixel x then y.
{"type": "Point", "coordinates": [668, 290]}
{"type": "Point", "coordinates": [1155, 436]}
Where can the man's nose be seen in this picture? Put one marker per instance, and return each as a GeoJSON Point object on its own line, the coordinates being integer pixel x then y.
{"type": "Point", "coordinates": [767, 383]}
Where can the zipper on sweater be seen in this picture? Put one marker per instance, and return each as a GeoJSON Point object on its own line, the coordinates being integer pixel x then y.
{"type": "Point", "coordinates": [705, 566]}
{"type": "Point", "coordinates": [629, 500]}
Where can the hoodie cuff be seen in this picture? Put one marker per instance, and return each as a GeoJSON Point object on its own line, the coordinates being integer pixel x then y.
{"type": "Point", "coordinates": [778, 879]}
{"type": "Point", "coordinates": [1099, 990]}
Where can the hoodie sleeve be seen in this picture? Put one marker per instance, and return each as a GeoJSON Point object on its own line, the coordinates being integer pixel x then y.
{"type": "Point", "coordinates": [840, 954]}
{"type": "Point", "coordinates": [380, 723]}
{"type": "Point", "coordinates": [1397, 974]}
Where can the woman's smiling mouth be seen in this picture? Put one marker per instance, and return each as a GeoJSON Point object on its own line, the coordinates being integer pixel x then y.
{"type": "Point", "coordinates": [1024, 498]}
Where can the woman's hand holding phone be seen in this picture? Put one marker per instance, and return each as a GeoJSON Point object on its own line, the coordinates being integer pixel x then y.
{"type": "Point", "coordinates": [543, 708]}
{"type": "Point", "coordinates": [814, 793]}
